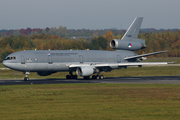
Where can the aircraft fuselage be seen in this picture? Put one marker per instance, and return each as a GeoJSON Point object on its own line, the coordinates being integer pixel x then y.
{"type": "Point", "coordinates": [59, 60]}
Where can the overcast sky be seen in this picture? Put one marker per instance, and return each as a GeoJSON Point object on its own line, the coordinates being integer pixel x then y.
{"type": "Point", "coordinates": [88, 14]}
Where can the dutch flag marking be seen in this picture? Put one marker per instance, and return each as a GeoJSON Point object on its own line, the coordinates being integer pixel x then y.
{"type": "Point", "coordinates": [129, 45]}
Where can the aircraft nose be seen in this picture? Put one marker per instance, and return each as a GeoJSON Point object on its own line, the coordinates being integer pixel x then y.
{"type": "Point", "coordinates": [5, 63]}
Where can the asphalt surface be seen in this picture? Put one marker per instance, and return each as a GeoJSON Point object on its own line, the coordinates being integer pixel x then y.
{"type": "Point", "coordinates": [120, 80]}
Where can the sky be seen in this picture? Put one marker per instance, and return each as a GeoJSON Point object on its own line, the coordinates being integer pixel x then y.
{"type": "Point", "coordinates": [88, 14]}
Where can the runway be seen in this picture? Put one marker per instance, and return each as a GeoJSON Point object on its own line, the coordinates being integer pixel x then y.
{"type": "Point", "coordinates": [119, 80]}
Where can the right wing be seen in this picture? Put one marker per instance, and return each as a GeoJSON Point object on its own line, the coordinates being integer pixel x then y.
{"type": "Point", "coordinates": [112, 65]}
{"type": "Point", "coordinates": [131, 64]}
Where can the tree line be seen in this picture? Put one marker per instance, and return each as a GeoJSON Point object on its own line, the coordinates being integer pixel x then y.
{"type": "Point", "coordinates": [158, 41]}
{"type": "Point", "coordinates": [68, 33]}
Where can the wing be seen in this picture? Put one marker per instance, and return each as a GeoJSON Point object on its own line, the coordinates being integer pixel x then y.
{"type": "Point", "coordinates": [114, 65]}
{"type": "Point", "coordinates": [125, 64]}
{"type": "Point", "coordinates": [148, 54]}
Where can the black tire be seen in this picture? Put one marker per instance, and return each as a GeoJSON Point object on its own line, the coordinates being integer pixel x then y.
{"type": "Point", "coordinates": [75, 77]}
{"type": "Point", "coordinates": [86, 77]}
{"type": "Point", "coordinates": [26, 78]}
{"type": "Point", "coordinates": [101, 77]}
{"type": "Point", "coordinates": [67, 77]}
{"type": "Point", "coordinates": [71, 76]}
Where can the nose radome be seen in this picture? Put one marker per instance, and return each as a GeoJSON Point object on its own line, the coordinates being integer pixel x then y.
{"type": "Point", "coordinates": [5, 63]}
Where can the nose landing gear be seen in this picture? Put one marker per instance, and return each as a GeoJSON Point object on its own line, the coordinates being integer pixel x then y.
{"type": "Point", "coordinates": [26, 78]}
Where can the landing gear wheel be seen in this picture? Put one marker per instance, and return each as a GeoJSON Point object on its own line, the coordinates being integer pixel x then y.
{"type": "Point", "coordinates": [101, 77]}
{"type": "Point", "coordinates": [75, 76]}
{"type": "Point", "coordinates": [67, 76]}
{"type": "Point", "coordinates": [93, 77]}
{"type": "Point", "coordinates": [86, 77]}
{"type": "Point", "coordinates": [71, 76]}
{"type": "Point", "coordinates": [26, 79]}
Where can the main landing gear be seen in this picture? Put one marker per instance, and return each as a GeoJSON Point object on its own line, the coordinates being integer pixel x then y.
{"type": "Point", "coordinates": [97, 77]}
{"type": "Point", "coordinates": [94, 77]}
{"type": "Point", "coordinates": [26, 78]}
{"type": "Point", "coordinates": [71, 76]}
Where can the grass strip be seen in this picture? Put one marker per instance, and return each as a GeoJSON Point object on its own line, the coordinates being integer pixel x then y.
{"type": "Point", "coordinates": [90, 101]}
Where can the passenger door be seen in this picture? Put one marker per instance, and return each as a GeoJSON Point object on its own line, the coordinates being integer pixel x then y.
{"type": "Point", "coordinates": [22, 60]}
{"type": "Point", "coordinates": [50, 60]}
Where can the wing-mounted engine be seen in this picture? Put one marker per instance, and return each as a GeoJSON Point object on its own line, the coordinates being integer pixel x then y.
{"type": "Point", "coordinates": [85, 71]}
{"type": "Point", "coordinates": [45, 73]}
{"type": "Point", "coordinates": [132, 45]}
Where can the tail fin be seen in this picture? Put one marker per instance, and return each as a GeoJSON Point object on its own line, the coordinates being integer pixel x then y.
{"type": "Point", "coordinates": [133, 30]}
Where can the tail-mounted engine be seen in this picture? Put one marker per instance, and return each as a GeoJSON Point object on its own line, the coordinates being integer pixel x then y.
{"type": "Point", "coordinates": [132, 45]}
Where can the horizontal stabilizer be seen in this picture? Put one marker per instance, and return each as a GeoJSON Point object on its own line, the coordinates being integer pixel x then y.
{"type": "Point", "coordinates": [144, 55]}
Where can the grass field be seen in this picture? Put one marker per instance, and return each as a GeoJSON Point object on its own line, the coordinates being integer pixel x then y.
{"type": "Point", "coordinates": [90, 101]}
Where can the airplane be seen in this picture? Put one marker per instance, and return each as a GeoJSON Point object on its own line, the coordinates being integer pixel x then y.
{"type": "Point", "coordinates": [84, 62]}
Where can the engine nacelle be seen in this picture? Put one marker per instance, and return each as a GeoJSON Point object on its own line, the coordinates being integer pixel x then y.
{"type": "Point", "coordinates": [85, 71]}
{"type": "Point", "coordinates": [132, 45]}
{"type": "Point", "coordinates": [45, 73]}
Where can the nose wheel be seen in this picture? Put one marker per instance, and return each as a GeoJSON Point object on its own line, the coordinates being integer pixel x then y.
{"type": "Point", "coordinates": [26, 78]}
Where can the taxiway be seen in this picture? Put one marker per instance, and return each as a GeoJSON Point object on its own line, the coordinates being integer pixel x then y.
{"type": "Point", "coordinates": [125, 80]}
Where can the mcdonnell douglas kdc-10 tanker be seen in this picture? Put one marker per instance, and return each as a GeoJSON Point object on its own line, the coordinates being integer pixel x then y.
{"type": "Point", "coordinates": [84, 62]}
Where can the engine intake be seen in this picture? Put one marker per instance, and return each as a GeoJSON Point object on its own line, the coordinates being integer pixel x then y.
{"type": "Point", "coordinates": [132, 45]}
{"type": "Point", "coordinates": [85, 71]}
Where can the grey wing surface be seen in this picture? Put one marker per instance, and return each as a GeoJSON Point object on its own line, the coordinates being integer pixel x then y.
{"type": "Point", "coordinates": [112, 65]}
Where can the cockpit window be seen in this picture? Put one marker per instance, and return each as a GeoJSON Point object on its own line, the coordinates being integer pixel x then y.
{"type": "Point", "coordinates": [7, 58]}
{"type": "Point", "coordinates": [10, 58]}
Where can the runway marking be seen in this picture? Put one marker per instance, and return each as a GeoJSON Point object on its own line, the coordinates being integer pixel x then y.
{"type": "Point", "coordinates": [18, 81]}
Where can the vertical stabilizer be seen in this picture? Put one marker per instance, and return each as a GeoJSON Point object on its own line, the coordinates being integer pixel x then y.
{"type": "Point", "coordinates": [133, 30]}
